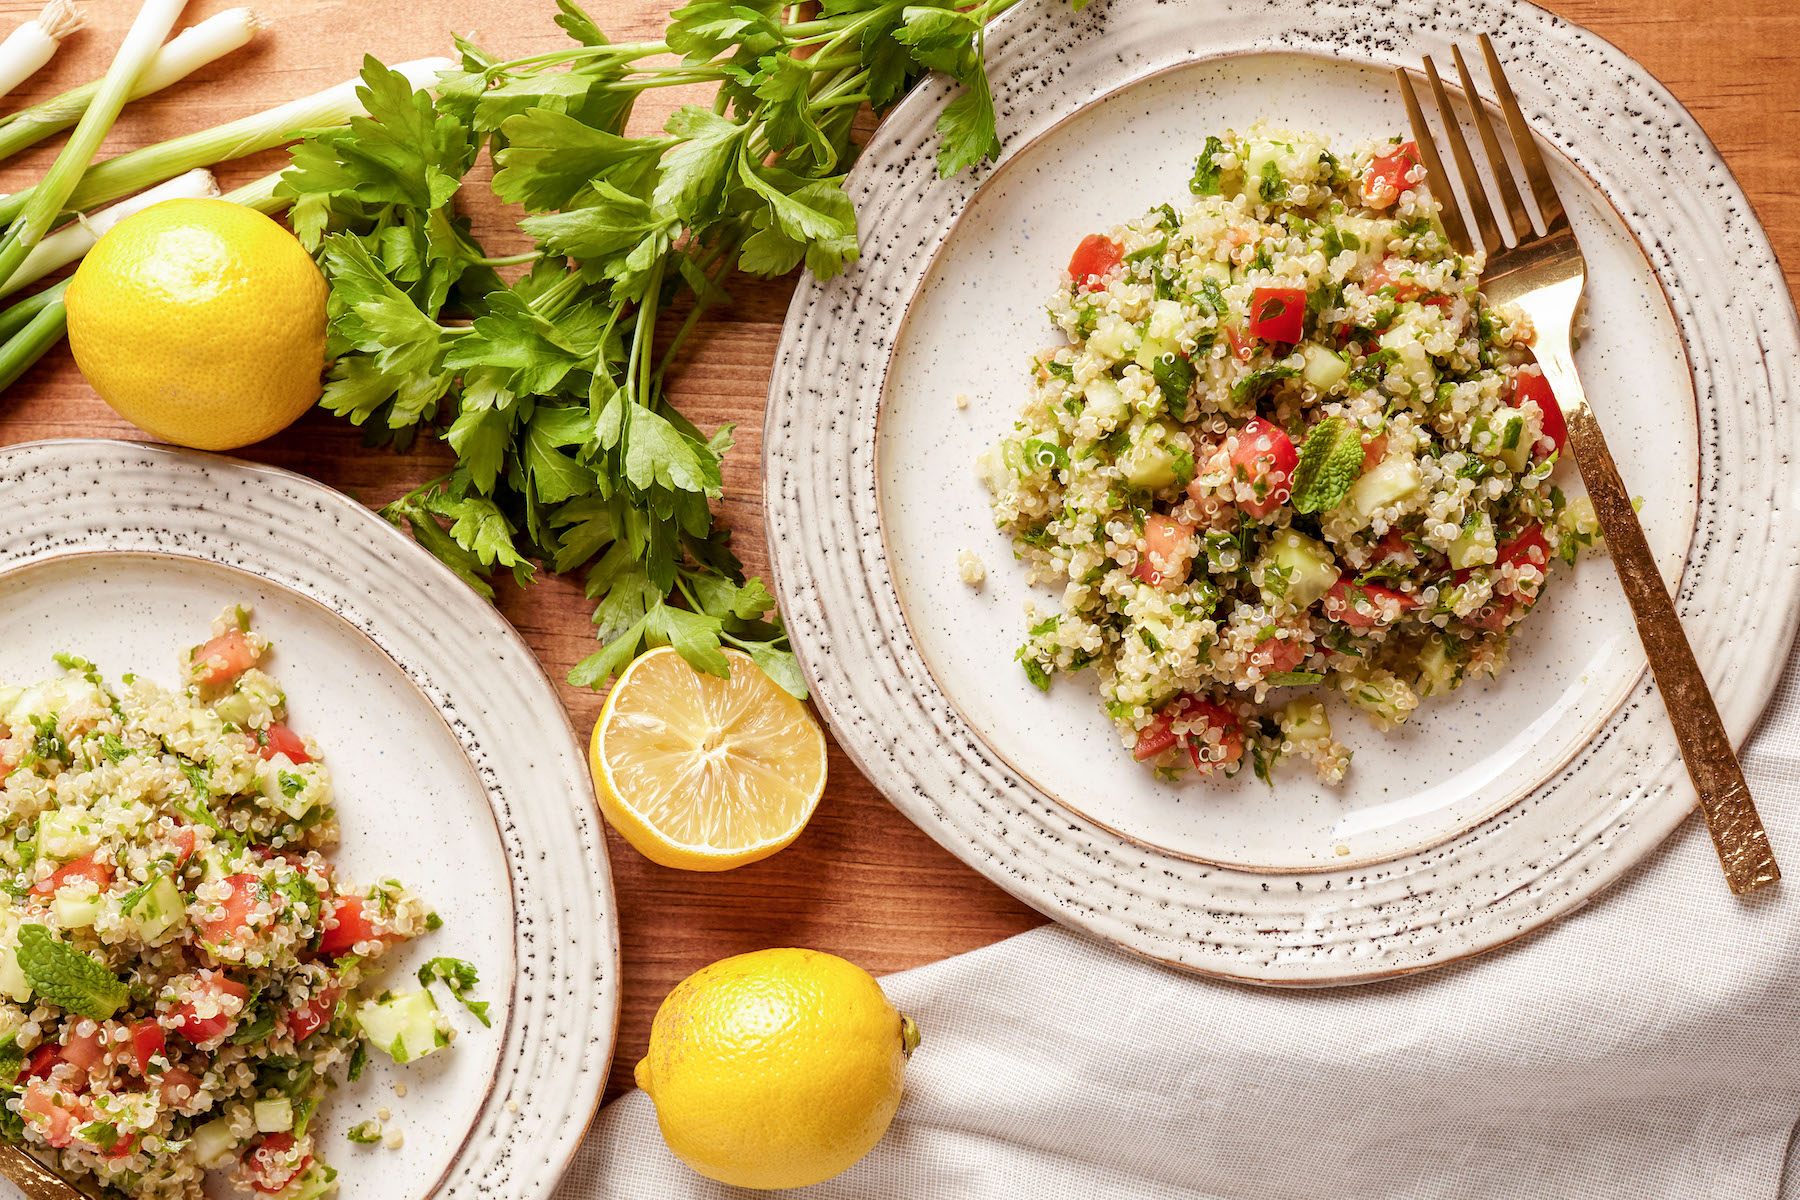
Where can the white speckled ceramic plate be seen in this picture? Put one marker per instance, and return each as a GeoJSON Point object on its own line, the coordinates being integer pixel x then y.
{"type": "Point", "coordinates": [1492, 812]}
{"type": "Point", "coordinates": [454, 764]}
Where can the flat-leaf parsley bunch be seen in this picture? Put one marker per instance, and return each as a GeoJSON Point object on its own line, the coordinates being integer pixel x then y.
{"type": "Point", "coordinates": [551, 389]}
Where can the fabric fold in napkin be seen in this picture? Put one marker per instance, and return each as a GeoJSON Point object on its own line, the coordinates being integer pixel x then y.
{"type": "Point", "coordinates": [1647, 1046]}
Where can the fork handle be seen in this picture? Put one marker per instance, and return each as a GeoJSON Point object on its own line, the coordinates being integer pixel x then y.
{"type": "Point", "coordinates": [1737, 831]}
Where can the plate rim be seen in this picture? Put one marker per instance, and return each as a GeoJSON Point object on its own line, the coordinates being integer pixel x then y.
{"type": "Point", "coordinates": [789, 381]}
{"type": "Point", "coordinates": [407, 555]}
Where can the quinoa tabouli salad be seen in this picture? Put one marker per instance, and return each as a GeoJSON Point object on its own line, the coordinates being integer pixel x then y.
{"type": "Point", "coordinates": [1289, 445]}
{"type": "Point", "coordinates": [182, 972]}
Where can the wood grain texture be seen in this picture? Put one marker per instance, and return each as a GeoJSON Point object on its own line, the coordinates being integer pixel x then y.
{"type": "Point", "coordinates": [861, 881]}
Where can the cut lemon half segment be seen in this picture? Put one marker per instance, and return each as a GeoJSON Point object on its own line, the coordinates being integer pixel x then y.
{"type": "Point", "coordinates": [703, 773]}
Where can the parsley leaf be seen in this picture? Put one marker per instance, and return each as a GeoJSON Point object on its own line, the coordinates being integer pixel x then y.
{"type": "Point", "coordinates": [459, 977]}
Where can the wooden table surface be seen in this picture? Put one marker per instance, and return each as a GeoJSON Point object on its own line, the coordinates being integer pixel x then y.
{"type": "Point", "coordinates": [861, 881]}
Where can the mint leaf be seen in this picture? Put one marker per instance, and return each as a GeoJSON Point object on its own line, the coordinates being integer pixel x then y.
{"type": "Point", "coordinates": [66, 977]}
{"type": "Point", "coordinates": [1330, 459]}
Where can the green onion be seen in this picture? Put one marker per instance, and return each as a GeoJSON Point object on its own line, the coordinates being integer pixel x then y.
{"type": "Point", "coordinates": [260, 195]}
{"type": "Point", "coordinates": [45, 205]}
{"type": "Point", "coordinates": [27, 48]}
{"type": "Point", "coordinates": [45, 328]}
{"type": "Point", "coordinates": [75, 239]}
{"type": "Point", "coordinates": [235, 139]}
{"type": "Point", "coordinates": [187, 52]}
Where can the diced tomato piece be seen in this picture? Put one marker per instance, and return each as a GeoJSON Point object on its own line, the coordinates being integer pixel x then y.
{"type": "Point", "coordinates": [1262, 467]}
{"type": "Point", "coordinates": [1341, 604]}
{"type": "Point", "coordinates": [85, 868]}
{"type": "Point", "coordinates": [170, 1083]}
{"type": "Point", "coordinates": [223, 659]}
{"type": "Point", "coordinates": [1390, 273]}
{"type": "Point", "coordinates": [122, 1147]}
{"type": "Point", "coordinates": [269, 1167]}
{"type": "Point", "coordinates": [183, 840]}
{"type": "Point", "coordinates": [1374, 450]}
{"type": "Point", "coordinates": [43, 1060]}
{"type": "Point", "coordinates": [1536, 388]}
{"type": "Point", "coordinates": [1161, 562]}
{"type": "Point", "coordinates": [347, 924]}
{"type": "Point", "coordinates": [196, 1028]}
{"type": "Point", "coordinates": [1278, 654]}
{"type": "Point", "coordinates": [1159, 735]}
{"type": "Point", "coordinates": [1241, 349]}
{"type": "Point", "coordinates": [1092, 259]}
{"type": "Point", "coordinates": [85, 1052]}
{"type": "Point", "coordinates": [1277, 314]}
{"type": "Point", "coordinates": [279, 739]}
{"type": "Point", "coordinates": [1393, 548]}
{"type": "Point", "coordinates": [56, 1123]}
{"type": "Point", "coordinates": [312, 1016]}
{"type": "Point", "coordinates": [1529, 547]}
{"type": "Point", "coordinates": [147, 1041]}
{"type": "Point", "coordinates": [1387, 176]}
{"type": "Point", "coordinates": [234, 912]}
{"type": "Point", "coordinates": [1230, 747]}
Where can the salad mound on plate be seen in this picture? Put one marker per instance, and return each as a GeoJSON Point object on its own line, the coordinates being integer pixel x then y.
{"type": "Point", "coordinates": [1288, 445]}
{"type": "Point", "coordinates": [178, 959]}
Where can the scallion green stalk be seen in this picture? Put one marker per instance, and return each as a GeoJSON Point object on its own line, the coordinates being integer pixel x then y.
{"type": "Point", "coordinates": [182, 55]}
{"type": "Point", "coordinates": [48, 322]}
{"type": "Point", "coordinates": [75, 239]}
{"type": "Point", "coordinates": [27, 48]}
{"type": "Point", "coordinates": [18, 314]}
{"type": "Point", "coordinates": [148, 29]}
{"type": "Point", "coordinates": [260, 195]}
{"type": "Point", "coordinates": [139, 169]}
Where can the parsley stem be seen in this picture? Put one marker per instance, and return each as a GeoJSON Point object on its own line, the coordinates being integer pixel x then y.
{"type": "Point", "coordinates": [509, 260]}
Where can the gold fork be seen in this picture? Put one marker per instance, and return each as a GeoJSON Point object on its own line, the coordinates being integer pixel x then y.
{"type": "Point", "coordinates": [1543, 274]}
{"type": "Point", "coordinates": [32, 1177]}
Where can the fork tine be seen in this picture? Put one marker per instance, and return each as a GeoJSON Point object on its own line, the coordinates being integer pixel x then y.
{"type": "Point", "coordinates": [1549, 204]}
{"type": "Point", "coordinates": [1449, 213]}
{"type": "Point", "coordinates": [1516, 216]}
{"type": "Point", "coordinates": [1473, 191]}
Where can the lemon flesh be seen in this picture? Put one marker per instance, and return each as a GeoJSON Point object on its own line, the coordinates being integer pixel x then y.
{"type": "Point", "coordinates": [704, 773]}
{"type": "Point", "coordinates": [202, 322]}
{"type": "Point", "coordinates": [776, 1069]}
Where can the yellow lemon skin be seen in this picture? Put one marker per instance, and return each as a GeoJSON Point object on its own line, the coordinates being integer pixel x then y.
{"type": "Point", "coordinates": [202, 322]}
{"type": "Point", "coordinates": [776, 1069]}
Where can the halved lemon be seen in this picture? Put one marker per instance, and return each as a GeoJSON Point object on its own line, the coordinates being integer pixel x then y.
{"type": "Point", "coordinates": [703, 773]}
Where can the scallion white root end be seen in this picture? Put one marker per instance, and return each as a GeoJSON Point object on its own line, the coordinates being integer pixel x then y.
{"type": "Point", "coordinates": [65, 245]}
{"type": "Point", "coordinates": [27, 48]}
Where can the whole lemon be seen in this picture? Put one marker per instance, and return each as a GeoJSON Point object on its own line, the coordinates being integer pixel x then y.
{"type": "Point", "coordinates": [776, 1069]}
{"type": "Point", "coordinates": [202, 322]}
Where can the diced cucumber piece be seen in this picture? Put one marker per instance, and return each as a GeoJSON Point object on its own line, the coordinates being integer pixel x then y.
{"type": "Point", "coordinates": [1474, 546]}
{"type": "Point", "coordinates": [235, 708]}
{"type": "Point", "coordinates": [1438, 673]}
{"type": "Point", "coordinates": [213, 1143]}
{"type": "Point", "coordinates": [1414, 363]}
{"type": "Point", "coordinates": [1115, 338]}
{"type": "Point", "coordinates": [295, 788]}
{"type": "Point", "coordinates": [318, 1181]}
{"type": "Point", "coordinates": [1503, 436]}
{"type": "Point", "coordinates": [13, 984]}
{"type": "Point", "coordinates": [75, 910]}
{"type": "Point", "coordinates": [1149, 463]}
{"type": "Point", "coordinates": [273, 1116]}
{"type": "Point", "coordinates": [1379, 693]}
{"type": "Point", "coordinates": [158, 910]}
{"type": "Point", "coordinates": [1166, 320]}
{"type": "Point", "coordinates": [1389, 481]}
{"type": "Point", "coordinates": [65, 834]}
{"type": "Point", "coordinates": [1151, 349]}
{"type": "Point", "coordinates": [1297, 569]}
{"type": "Point", "coordinates": [1324, 368]}
{"type": "Point", "coordinates": [1304, 720]}
{"type": "Point", "coordinates": [1105, 401]}
{"type": "Point", "coordinates": [407, 1026]}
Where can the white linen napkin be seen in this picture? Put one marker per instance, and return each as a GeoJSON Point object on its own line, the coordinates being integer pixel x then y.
{"type": "Point", "coordinates": [1647, 1046]}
